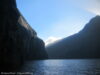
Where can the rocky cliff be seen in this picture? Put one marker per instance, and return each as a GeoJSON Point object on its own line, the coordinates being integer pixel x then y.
{"type": "Point", "coordinates": [85, 44]}
{"type": "Point", "coordinates": [18, 41]}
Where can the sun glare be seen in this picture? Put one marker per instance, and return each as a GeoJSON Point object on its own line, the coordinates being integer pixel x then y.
{"type": "Point", "coordinates": [94, 11]}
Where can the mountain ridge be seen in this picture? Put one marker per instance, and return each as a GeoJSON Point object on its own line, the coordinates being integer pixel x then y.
{"type": "Point", "coordinates": [85, 44]}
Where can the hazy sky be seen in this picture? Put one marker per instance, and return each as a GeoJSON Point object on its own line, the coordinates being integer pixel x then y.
{"type": "Point", "coordinates": [58, 18]}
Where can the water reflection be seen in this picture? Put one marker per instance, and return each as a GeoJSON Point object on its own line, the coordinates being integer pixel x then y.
{"type": "Point", "coordinates": [63, 67]}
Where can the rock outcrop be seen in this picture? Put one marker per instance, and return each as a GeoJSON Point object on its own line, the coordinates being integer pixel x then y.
{"type": "Point", "coordinates": [18, 41]}
{"type": "Point", "coordinates": [85, 44]}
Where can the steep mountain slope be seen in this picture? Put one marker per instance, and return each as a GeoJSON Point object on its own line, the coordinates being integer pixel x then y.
{"type": "Point", "coordinates": [18, 41]}
{"type": "Point", "coordinates": [85, 44]}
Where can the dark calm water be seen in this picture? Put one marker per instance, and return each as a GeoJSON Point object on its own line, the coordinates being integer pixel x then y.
{"type": "Point", "coordinates": [62, 67]}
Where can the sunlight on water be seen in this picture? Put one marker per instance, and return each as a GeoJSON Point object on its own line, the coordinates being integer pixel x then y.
{"type": "Point", "coordinates": [63, 67]}
{"type": "Point", "coordinates": [53, 63]}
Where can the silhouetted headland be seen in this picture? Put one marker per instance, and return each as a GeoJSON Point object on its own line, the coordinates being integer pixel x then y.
{"type": "Point", "coordinates": [18, 41]}
{"type": "Point", "coordinates": [85, 44]}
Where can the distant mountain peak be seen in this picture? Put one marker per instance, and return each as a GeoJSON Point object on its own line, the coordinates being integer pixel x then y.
{"type": "Point", "coordinates": [96, 18]}
{"type": "Point", "coordinates": [93, 25]}
{"type": "Point", "coordinates": [85, 44]}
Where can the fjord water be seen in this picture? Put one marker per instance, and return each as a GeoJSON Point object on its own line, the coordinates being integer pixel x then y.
{"type": "Point", "coordinates": [63, 67]}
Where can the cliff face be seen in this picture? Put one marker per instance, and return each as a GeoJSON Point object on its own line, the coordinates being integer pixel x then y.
{"type": "Point", "coordinates": [85, 44]}
{"type": "Point", "coordinates": [18, 41]}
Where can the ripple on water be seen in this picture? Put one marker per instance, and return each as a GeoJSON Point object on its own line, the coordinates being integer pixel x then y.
{"type": "Point", "coordinates": [63, 67]}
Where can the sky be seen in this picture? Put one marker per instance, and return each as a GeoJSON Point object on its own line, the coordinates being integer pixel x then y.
{"type": "Point", "coordinates": [57, 19]}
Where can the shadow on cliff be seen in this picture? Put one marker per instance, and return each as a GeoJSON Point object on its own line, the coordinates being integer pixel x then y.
{"type": "Point", "coordinates": [18, 41]}
{"type": "Point", "coordinates": [83, 45]}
